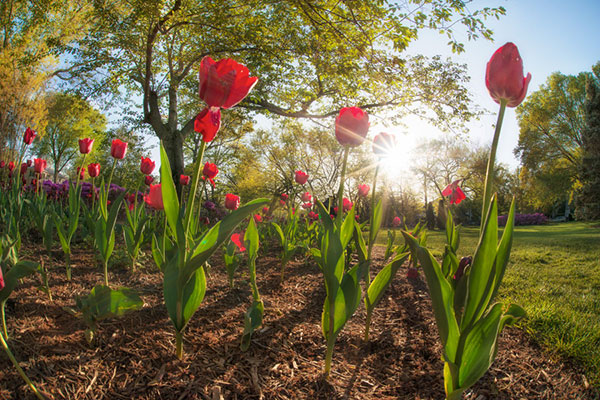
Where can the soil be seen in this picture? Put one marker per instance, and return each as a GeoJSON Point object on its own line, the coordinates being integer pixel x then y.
{"type": "Point", "coordinates": [134, 357]}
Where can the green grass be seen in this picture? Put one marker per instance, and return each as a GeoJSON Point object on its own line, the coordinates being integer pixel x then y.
{"type": "Point", "coordinates": [554, 274]}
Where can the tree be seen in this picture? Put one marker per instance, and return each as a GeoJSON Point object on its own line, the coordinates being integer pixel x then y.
{"type": "Point", "coordinates": [588, 196]}
{"type": "Point", "coordinates": [30, 33]}
{"type": "Point", "coordinates": [70, 118]}
{"type": "Point", "coordinates": [312, 57]}
{"type": "Point", "coordinates": [551, 124]}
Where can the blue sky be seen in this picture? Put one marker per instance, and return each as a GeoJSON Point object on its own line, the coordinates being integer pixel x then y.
{"type": "Point", "coordinates": [551, 35]}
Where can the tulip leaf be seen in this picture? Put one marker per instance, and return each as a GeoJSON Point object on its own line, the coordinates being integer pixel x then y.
{"type": "Point", "coordinates": [251, 239]}
{"type": "Point", "coordinates": [511, 316]}
{"type": "Point", "coordinates": [442, 297]}
{"type": "Point", "coordinates": [360, 243]}
{"type": "Point", "coordinates": [279, 231]}
{"type": "Point", "coordinates": [252, 320]}
{"type": "Point", "coordinates": [480, 347]}
{"type": "Point", "coordinates": [504, 247]}
{"type": "Point", "coordinates": [481, 274]}
{"type": "Point", "coordinates": [374, 230]}
{"type": "Point", "coordinates": [103, 302]}
{"type": "Point", "coordinates": [383, 279]}
{"type": "Point", "coordinates": [11, 278]}
{"type": "Point", "coordinates": [347, 228]}
{"type": "Point", "coordinates": [347, 299]}
{"type": "Point", "coordinates": [169, 193]}
{"type": "Point", "coordinates": [193, 294]}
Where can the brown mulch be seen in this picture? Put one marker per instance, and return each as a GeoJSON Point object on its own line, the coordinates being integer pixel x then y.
{"type": "Point", "coordinates": [133, 357]}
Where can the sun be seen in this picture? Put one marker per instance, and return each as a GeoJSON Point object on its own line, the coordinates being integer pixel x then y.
{"type": "Point", "coordinates": [397, 162]}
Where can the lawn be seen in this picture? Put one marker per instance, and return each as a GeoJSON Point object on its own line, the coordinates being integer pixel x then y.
{"type": "Point", "coordinates": [554, 274]}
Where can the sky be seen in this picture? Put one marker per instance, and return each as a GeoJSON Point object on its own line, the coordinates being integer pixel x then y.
{"type": "Point", "coordinates": [551, 35]}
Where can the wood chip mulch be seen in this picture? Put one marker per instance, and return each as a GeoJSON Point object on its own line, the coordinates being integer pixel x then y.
{"type": "Point", "coordinates": [134, 357]}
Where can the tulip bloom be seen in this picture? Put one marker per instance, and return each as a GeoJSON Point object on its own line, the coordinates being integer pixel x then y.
{"type": "Point", "coordinates": [29, 136]}
{"type": "Point", "coordinates": [118, 149]}
{"type": "Point", "coordinates": [307, 206]}
{"type": "Point", "coordinates": [235, 238]}
{"type": "Point", "coordinates": [232, 202]}
{"type": "Point", "coordinates": [93, 170]}
{"type": "Point", "coordinates": [148, 180]}
{"type": "Point", "coordinates": [224, 83]}
{"type": "Point", "coordinates": [257, 218]}
{"type": "Point", "coordinates": [396, 222]}
{"type": "Point", "coordinates": [313, 216]}
{"type": "Point", "coordinates": [147, 166]}
{"type": "Point", "coordinates": [351, 126]}
{"type": "Point", "coordinates": [24, 167]}
{"type": "Point", "coordinates": [209, 205]}
{"type": "Point", "coordinates": [1, 280]}
{"type": "Point", "coordinates": [455, 192]}
{"type": "Point", "coordinates": [2, 164]}
{"type": "Point", "coordinates": [184, 180]}
{"type": "Point", "coordinates": [306, 197]}
{"type": "Point", "coordinates": [301, 177]}
{"type": "Point", "coordinates": [154, 198]}
{"type": "Point", "coordinates": [29, 163]}
{"type": "Point", "coordinates": [284, 197]}
{"type": "Point", "coordinates": [265, 210]}
{"type": "Point", "coordinates": [209, 172]}
{"type": "Point", "coordinates": [347, 204]}
{"type": "Point", "coordinates": [504, 76]}
{"type": "Point", "coordinates": [363, 190]}
{"type": "Point", "coordinates": [412, 273]}
{"type": "Point", "coordinates": [85, 145]}
{"type": "Point", "coordinates": [40, 165]}
{"type": "Point", "coordinates": [208, 123]}
{"type": "Point", "coordinates": [383, 144]}
{"type": "Point", "coordinates": [11, 166]}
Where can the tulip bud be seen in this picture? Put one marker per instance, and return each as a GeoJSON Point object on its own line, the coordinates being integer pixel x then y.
{"type": "Point", "coordinates": [347, 204]}
{"type": "Point", "coordinates": [148, 179]}
{"type": "Point", "coordinates": [396, 222]}
{"type": "Point", "coordinates": [147, 166]}
{"type": "Point", "coordinates": [40, 165]}
{"type": "Point", "coordinates": [301, 177]}
{"type": "Point", "coordinates": [504, 76]}
{"type": "Point", "coordinates": [93, 170]}
{"type": "Point", "coordinates": [306, 197]}
{"type": "Point", "coordinates": [85, 145]}
{"type": "Point", "coordinates": [224, 83]}
{"type": "Point", "coordinates": [28, 136]}
{"type": "Point", "coordinates": [154, 198]}
{"type": "Point", "coordinates": [351, 126]}
{"type": "Point", "coordinates": [363, 190]}
{"type": "Point", "coordinates": [118, 149]}
{"type": "Point", "coordinates": [232, 202]}
{"type": "Point", "coordinates": [455, 192]}
{"type": "Point", "coordinates": [464, 263]}
{"type": "Point", "coordinates": [412, 273]}
{"type": "Point", "coordinates": [184, 180]}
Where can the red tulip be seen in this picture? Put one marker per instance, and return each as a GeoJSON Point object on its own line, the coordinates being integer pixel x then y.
{"type": "Point", "coordinates": [265, 210]}
{"type": "Point", "coordinates": [40, 165]}
{"type": "Point", "coordinates": [81, 172]}
{"type": "Point", "coordinates": [313, 215]}
{"type": "Point", "coordinates": [363, 190]}
{"type": "Point", "coordinates": [11, 166]}
{"type": "Point", "coordinates": [347, 204]}
{"type": "Point", "coordinates": [306, 197]}
{"type": "Point", "coordinates": [147, 166]}
{"type": "Point", "coordinates": [93, 170]}
{"type": "Point", "coordinates": [236, 238]}
{"type": "Point", "coordinates": [29, 136]}
{"type": "Point", "coordinates": [301, 177]}
{"type": "Point", "coordinates": [282, 202]}
{"type": "Point", "coordinates": [23, 168]}
{"type": "Point", "coordinates": [208, 123]}
{"type": "Point", "coordinates": [184, 180]}
{"type": "Point", "coordinates": [118, 149]}
{"type": "Point", "coordinates": [85, 145]}
{"type": "Point", "coordinates": [148, 180]}
{"type": "Point", "coordinates": [383, 144]}
{"type": "Point", "coordinates": [455, 192]}
{"type": "Point", "coordinates": [396, 222]}
{"type": "Point", "coordinates": [351, 126]}
{"type": "Point", "coordinates": [232, 202]}
{"type": "Point", "coordinates": [257, 218]}
{"type": "Point", "coordinates": [29, 163]}
{"type": "Point", "coordinates": [224, 83]}
{"type": "Point", "coordinates": [307, 206]}
{"type": "Point", "coordinates": [209, 172]}
{"type": "Point", "coordinates": [154, 198]}
{"type": "Point", "coordinates": [504, 76]}
{"type": "Point", "coordinates": [1, 279]}
{"type": "Point", "coordinates": [131, 201]}
{"type": "Point", "coordinates": [284, 197]}
{"type": "Point", "coordinates": [412, 273]}
{"type": "Point", "coordinates": [2, 164]}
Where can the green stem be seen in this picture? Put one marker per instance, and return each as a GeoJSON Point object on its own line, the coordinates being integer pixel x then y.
{"type": "Point", "coordinates": [372, 238]}
{"type": "Point", "coordinates": [112, 171]}
{"type": "Point", "coordinates": [179, 345]}
{"type": "Point", "coordinates": [20, 370]}
{"type": "Point", "coordinates": [329, 354]}
{"type": "Point", "coordinates": [106, 272]}
{"type": "Point", "coordinates": [369, 314]}
{"type": "Point", "coordinates": [3, 314]}
{"type": "Point", "coordinates": [489, 177]}
{"type": "Point", "coordinates": [192, 195]}
{"type": "Point", "coordinates": [338, 219]}
{"type": "Point", "coordinates": [68, 260]}
{"type": "Point", "coordinates": [80, 169]}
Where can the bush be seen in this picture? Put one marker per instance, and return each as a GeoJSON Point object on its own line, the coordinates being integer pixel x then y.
{"type": "Point", "coordinates": [525, 219]}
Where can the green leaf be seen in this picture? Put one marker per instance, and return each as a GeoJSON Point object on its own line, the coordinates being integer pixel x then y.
{"type": "Point", "coordinates": [503, 253]}
{"type": "Point", "coordinates": [13, 275]}
{"type": "Point", "coordinates": [103, 302]}
{"type": "Point", "coordinates": [193, 294]}
{"type": "Point", "coordinates": [279, 231]}
{"type": "Point", "coordinates": [377, 215]}
{"type": "Point", "coordinates": [481, 273]}
{"type": "Point", "coordinates": [251, 239]}
{"type": "Point", "coordinates": [346, 302]}
{"type": "Point", "coordinates": [480, 347]}
{"type": "Point", "coordinates": [383, 279]}
{"type": "Point", "coordinates": [169, 193]}
{"type": "Point", "coordinates": [347, 228]}
{"type": "Point", "coordinates": [511, 316]}
{"type": "Point", "coordinates": [360, 243]}
{"type": "Point", "coordinates": [252, 321]}
{"type": "Point", "coordinates": [442, 297]}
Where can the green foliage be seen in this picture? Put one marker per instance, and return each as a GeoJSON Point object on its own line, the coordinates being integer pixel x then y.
{"type": "Point", "coordinates": [254, 316]}
{"type": "Point", "coordinates": [103, 302]}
